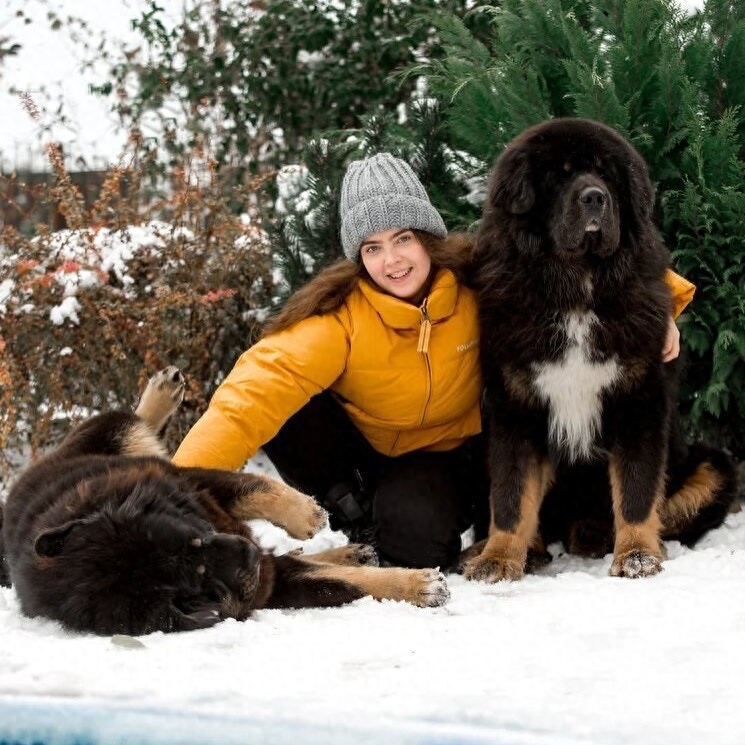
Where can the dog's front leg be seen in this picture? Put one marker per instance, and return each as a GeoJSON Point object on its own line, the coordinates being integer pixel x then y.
{"type": "Point", "coordinates": [637, 476]}
{"type": "Point", "coordinates": [248, 496]}
{"type": "Point", "coordinates": [298, 583]}
{"type": "Point", "coordinates": [520, 478]}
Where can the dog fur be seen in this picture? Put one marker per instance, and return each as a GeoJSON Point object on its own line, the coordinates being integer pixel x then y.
{"type": "Point", "coordinates": [105, 535]}
{"type": "Point", "coordinates": [569, 270]}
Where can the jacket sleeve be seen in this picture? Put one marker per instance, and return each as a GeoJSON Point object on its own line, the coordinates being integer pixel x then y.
{"type": "Point", "coordinates": [682, 290]}
{"type": "Point", "coordinates": [269, 383]}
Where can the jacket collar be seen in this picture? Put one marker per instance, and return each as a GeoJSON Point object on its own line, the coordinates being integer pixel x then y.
{"type": "Point", "coordinates": [398, 314]}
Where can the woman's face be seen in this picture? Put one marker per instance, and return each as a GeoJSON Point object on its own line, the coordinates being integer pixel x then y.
{"type": "Point", "coordinates": [396, 261]}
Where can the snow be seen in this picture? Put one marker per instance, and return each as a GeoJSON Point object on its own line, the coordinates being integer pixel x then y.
{"type": "Point", "coordinates": [570, 655]}
{"type": "Point", "coordinates": [67, 310]}
{"type": "Point", "coordinates": [567, 656]}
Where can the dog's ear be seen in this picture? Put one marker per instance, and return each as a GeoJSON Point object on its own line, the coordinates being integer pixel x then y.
{"type": "Point", "coordinates": [51, 543]}
{"type": "Point", "coordinates": [511, 184]}
{"type": "Point", "coordinates": [640, 188]}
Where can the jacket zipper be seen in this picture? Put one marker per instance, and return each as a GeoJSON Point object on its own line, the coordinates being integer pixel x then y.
{"type": "Point", "coordinates": [425, 331]}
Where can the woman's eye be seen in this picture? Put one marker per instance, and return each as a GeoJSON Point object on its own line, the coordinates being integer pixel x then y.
{"type": "Point", "coordinates": [404, 238]}
{"type": "Point", "coordinates": [371, 249]}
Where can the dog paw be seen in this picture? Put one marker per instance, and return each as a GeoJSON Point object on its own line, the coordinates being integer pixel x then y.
{"type": "Point", "coordinates": [169, 382]}
{"type": "Point", "coordinates": [161, 397]}
{"type": "Point", "coordinates": [431, 588]}
{"type": "Point", "coordinates": [493, 569]}
{"type": "Point", "coordinates": [351, 555]}
{"type": "Point", "coordinates": [636, 563]}
{"type": "Point", "coordinates": [467, 555]}
{"type": "Point", "coordinates": [302, 517]}
{"type": "Point", "coordinates": [361, 555]}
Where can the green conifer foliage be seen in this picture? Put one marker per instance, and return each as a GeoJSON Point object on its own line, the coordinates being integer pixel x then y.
{"type": "Point", "coordinates": [675, 86]}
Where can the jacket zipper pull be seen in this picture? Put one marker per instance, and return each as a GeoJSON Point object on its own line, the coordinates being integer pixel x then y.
{"type": "Point", "coordinates": [424, 331]}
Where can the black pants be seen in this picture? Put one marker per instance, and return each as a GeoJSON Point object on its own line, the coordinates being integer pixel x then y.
{"type": "Point", "coordinates": [413, 508]}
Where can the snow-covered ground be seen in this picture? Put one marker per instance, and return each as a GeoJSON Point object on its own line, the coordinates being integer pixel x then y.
{"type": "Point", "coordinates": [570, 655]}
{"type": "Point", "coordinates": [566, 656]}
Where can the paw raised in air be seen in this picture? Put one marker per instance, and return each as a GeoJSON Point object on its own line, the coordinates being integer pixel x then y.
{"type": "Point", "coordinates": [636, 563]}
{"type": "Point", "coordinates": [161, 397]}
{"type": "Point", "coordinates": [489, 568]}
{"type": "Point", "coordinates": [169, 382]}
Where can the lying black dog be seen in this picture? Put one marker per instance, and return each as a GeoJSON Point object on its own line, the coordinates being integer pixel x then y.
{"type": "Point", "coordinates": [104, 534]}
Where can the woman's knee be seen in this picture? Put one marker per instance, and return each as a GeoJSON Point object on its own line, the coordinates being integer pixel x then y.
{"type": "Point", "coordinates": [418, 513]}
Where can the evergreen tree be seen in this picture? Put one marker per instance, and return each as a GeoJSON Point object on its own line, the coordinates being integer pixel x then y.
{"type": "Point", "coordinates": [321, 82]}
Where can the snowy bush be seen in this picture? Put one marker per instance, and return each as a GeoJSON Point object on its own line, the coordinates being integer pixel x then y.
{"type": "Point", "coordinates": [89, 312]}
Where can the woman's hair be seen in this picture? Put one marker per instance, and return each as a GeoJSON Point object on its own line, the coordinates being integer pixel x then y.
{"type": "Point", "coordinates": [327, 291]}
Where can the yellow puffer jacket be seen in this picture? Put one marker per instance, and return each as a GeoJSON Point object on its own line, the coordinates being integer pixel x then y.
{"type": "Point", "coordinates": [408, 377]}
{"type": "Point", "coordinates": [401, 399]}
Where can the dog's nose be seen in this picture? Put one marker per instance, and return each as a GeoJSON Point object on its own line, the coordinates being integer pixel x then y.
{"type": "Point", "coordinates": [592, 196]}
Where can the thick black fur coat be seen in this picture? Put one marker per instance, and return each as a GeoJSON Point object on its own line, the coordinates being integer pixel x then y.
{"type": "Point", "coordinates": [574, 312]}
{"type": "Point", "coordinates": [104, 534]}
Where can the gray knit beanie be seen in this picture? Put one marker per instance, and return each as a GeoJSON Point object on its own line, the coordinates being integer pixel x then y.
{"type": "Point", "coordinates": [380, 193]}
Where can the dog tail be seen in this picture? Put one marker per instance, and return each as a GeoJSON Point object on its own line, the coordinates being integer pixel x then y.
{"type": "Point", "coordinates": [701, 491]}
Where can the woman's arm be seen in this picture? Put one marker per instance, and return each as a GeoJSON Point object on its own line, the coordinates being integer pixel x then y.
{"type": "Point", "coordinates": [269, 383]}
{"type": "Point", "coordinates": [682, 291]}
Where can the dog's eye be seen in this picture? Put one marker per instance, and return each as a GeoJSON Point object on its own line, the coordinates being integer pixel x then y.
{"type": "Point", "coordinates": [567, 166]}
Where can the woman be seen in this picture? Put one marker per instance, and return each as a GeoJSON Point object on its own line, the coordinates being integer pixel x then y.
{"type": "Point", "coordinates": [388, 337]}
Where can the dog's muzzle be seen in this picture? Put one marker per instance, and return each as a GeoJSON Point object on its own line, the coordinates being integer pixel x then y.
{"type": "Point", "coordinates": [593, 202]}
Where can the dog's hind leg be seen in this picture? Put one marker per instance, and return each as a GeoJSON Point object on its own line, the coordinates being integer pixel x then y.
{"type": "Point", "coordinates": [705, 489]}
{"type": "Point", "coordinates": [302, 584]}
{"type": "Point", "coordinates": [161, 397]}
{"type": "Point", "coordinates": [127, 433]}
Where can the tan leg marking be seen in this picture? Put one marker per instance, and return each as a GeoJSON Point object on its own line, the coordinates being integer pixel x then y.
{"type": "Point", "coordinates": [269, 499]}
{"type": "Point", "coordinates": [353, 555]}
{"type": "Point", "coordinates": [696, 493]}
{"type": "Point", "coordinates": [505, 552]}
{"type": "Point", "coordinates": [140, 439]}
{"type": "Point", "coordinates": [423, 587]}
{"type": "Point", "coordinates": [637, 551]}
{"type": "Point", "coordinates": [161, 397]}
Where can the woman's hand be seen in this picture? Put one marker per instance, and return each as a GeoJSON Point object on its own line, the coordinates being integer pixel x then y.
{"type": "Point", "coordinates": [671, 347]}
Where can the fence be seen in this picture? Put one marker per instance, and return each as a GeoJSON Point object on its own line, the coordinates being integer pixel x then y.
{"type": "Point", "coordinates": [22, 202]}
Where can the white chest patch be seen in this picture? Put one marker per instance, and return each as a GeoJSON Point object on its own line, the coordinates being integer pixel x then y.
{"type": "Point", "coordinates": [572, 388]}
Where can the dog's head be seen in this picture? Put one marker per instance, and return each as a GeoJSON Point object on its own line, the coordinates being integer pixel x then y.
{"type": "Point", "coordinates": [146, 559]}
{"type": "Point", "coordinates": [574, 187]}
